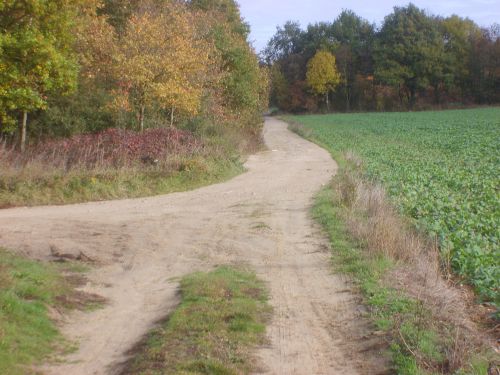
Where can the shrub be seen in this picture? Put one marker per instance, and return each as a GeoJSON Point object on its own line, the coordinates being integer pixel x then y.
{"type": "Point", "coordinates": [109, 148]}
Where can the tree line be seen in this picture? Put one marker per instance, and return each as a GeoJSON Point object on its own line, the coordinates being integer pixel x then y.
{"type": "Point", "coordinates": [76, 66]}
{"type": "Point", "coordinates": [414, 60]}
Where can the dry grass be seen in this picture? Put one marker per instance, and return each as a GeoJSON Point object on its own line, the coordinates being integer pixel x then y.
{"type": "Point", "coordinates": [382, 229]}
{"type": "Point", "coordinates": [113, 164]}
{"type": "Point", "coordinates": [111, 148]}
{"type": "Point", "coordinates": [372, 220]}
{"type": "Point", "coordinates": [105, 155]}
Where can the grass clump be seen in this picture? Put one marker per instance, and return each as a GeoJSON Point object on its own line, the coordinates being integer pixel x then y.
{"type": "Point", "coordinates": [27, 290]}
{"type": "Point", "coordinates": [222, 315]}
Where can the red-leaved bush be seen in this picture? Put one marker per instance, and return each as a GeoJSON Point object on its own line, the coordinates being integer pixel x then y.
{"type": "Point", "coordinates": [109, 148]}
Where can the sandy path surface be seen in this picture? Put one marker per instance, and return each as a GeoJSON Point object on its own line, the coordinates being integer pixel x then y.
{"type": "Point", "coordinates": [260, 218]}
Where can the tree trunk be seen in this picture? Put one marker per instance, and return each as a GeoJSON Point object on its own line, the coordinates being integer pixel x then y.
{"type": "Point", "coordinates": [400, 93]}
{"type": "Point", "coordinates": [411, 99]}
{"type": "Point", "coordinates": [327, 102]}
{"type": "Point", "coordinates": [22, 137]}
{"type": "Point", "coordinates": [141, 118]}
{"type": "Point", "coordinates": [374, 97]}
{"type": "Point", "coordinates": [348, 100]}
{"type": "Point", "coordinates": [463, 94]}
{"type": "Point", "coordinates": [172, 116]}
{"type": "Point", "coordinates": [437, 96]}
{"type": "Point", "coordinates": [347, 91]}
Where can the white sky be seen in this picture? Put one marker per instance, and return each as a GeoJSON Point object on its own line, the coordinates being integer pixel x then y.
{"type": "Point", "coordinates": [264, 15]}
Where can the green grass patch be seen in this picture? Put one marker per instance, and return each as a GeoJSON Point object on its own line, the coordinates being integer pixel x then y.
{"type": "Point", "coordinates": [77, 186]}
{"type": "Point", "coordinates": [27, 289]}
{"type": "Point", "coordinates": [441, 169]}
{"type": "Point", "coordinates": [221, 317]}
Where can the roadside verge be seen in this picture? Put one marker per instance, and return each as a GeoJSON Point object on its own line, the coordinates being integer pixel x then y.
{"type": "Point", "coordinates": [426, 320]}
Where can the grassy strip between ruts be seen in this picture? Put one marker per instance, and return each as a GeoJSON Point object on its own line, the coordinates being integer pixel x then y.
{"type": "Point", "coordinates": [418, 343]}
{"type": "Point", "coordinates": [28, 289]}
{"type": "Point", "coordinates": [221, 317]}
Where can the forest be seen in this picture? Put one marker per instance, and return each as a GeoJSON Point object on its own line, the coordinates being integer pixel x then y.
{"type": "Point", "coordinates": [106, 99]}
{"type": "Point", "coordinates": [70, 67]}
{"type": "Point", "coordinates": [412, 61]}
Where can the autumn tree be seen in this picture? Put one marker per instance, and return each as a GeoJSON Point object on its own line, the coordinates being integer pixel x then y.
{"type": "Point", "coordinates": [322, 74]}
{"type": "Point", "coordinates": [243, 84]}
{"type": "Point", "coordinates": [349, 38]}
{"type": "Point", "coordinates": [86, 109]}
{"type": "Point", "coordinates": [161, 61]}
{"type": "Point", "coordinates": [413, 55]}
{"type": "Point", "coordinates": [118, 12]}
{"type": "Point", "coordinates": [95, 41]}
{"type": "Point", "coordinates": [36, 57]}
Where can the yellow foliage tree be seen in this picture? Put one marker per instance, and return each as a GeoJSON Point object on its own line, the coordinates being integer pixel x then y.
{"type": "Point", "coordinates": [322, 74]}
{"type": "Point", "coordinates": [162, 60]}
{"type": "Point", "coordinates": [96, 43]}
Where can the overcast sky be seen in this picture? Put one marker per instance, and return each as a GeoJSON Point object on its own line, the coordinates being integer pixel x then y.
{"type": "Point", "coordinates": [264, 15]}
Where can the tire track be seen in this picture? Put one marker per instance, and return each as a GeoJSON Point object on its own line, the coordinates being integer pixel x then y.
{"type": "Point", "coordinates": [259, 218]}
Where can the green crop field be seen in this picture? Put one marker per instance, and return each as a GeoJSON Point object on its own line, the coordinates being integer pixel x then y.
{"type": "Point", "coordinates": [442, 169]}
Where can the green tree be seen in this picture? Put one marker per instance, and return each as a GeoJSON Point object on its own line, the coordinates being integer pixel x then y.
{"type": "Point", "coordinates": [288, 40]}
{"type": "Point", "coordinates": [484, 65]}
{"type": "Point", "coordinates": [318, 36]}
{"type": "Point", "coordinates": [457, 34]}
{"type": "Point", "coordinates": [353, 50]}
{"type": "Point", "coordinates": [36, 57]}
{"type": "Point", "coordinates": [228, 12]}
{"type": "Point", "coordinates": [322, 74]}
{"type": "Point", "coordinates": [409, 51]}
{"type": "Point", "coordinates": [87, 109]}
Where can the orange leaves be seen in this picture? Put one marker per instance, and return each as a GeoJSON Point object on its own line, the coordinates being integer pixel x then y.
{"type": "Point", "coordinates": [162, 59]}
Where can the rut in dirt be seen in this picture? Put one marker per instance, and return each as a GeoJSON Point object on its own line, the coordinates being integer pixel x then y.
{"type": "Point", "coordinates": [260, 218]}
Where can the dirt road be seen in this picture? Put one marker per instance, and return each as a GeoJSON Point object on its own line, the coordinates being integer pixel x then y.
{"type": "Point", "coordinates": [260, 218]}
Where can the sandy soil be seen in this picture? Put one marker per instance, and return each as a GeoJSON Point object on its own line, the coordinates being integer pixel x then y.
{"type": "Point", "coordinates": [260, 218]}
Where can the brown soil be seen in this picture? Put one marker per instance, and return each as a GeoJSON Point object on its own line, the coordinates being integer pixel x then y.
{"type": "Point", "coordinates": [260, 219]}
